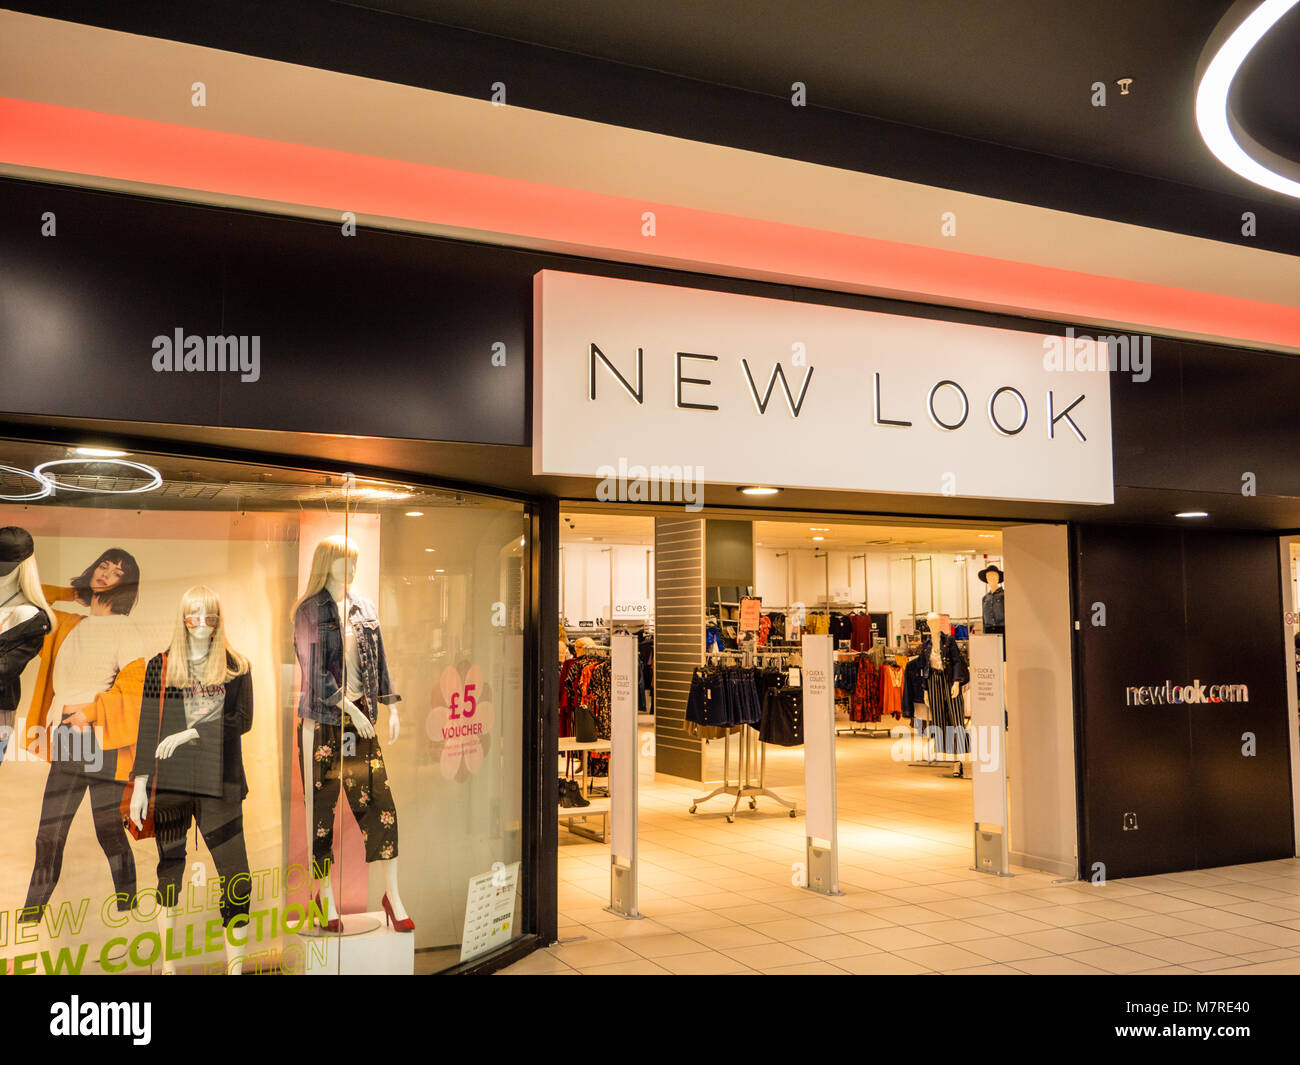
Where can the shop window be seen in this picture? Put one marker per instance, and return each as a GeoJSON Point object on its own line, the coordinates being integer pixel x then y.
{"type": "Point", "coordinates": [255, 719]}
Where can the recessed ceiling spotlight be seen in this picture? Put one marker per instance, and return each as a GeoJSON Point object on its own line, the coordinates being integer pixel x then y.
{"type": "Point", "coordinates": [819, 538]}
{"type": "Point", "coordinates": [415, 514]}
{"type": "Point", "coordinates": [756, 490]}
{"type": "Point", "coordinates": [440, 571]}
{"type": "Point", "coordinates": [986, 536]}
{"type": "Point", "coordinates": [430, 550]}
{"type": "Point", "coordinates": [1192, 514]}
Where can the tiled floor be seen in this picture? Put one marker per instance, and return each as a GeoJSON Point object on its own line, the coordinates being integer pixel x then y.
{"type": "Point", "coordinates": [719, 898]}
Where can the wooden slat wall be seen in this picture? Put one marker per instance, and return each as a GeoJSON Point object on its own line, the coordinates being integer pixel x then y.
{"type": "Point", "coordinates": [679, 641]}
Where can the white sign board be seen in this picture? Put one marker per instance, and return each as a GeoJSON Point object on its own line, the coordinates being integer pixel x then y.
{"type": "Point", "coordinates": [631, 608]}
{"type": "Point", "coordinates": [819, 737]}
{"type": "Point", "coordinates": [988, 738]}
{"type": "Point", "coordinates": [656, 375]}
{"type": "Point", "coordinates": [489, 910]}
{"type": "Point", "coordinates": [623, 752]}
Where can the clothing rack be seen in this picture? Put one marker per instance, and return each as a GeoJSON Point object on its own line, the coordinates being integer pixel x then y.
{"type": "Point", "coordinates": [744, 787]}
{"type": "Point", "coordinates": [870, 730]}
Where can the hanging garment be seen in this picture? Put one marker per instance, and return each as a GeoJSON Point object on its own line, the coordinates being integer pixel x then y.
{"type": "Point", "coordinates": [860, 624]}
{"type": "Point", "coordinates": [891, 690]}
{"type": "Point", "coordinates": [865, 705]}
{"type": "Point", "coordinates": [782, 722]}
{"type": "Point", "coordinates": [840, 628]}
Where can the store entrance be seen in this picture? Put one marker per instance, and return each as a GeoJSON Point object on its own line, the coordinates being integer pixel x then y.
{"type": "Point", "coordinates": [881, 591]}
{"type": "Point", "coordinates": [732, 592]}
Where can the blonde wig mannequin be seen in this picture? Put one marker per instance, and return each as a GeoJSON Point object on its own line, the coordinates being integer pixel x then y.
{"type": "Point", "coordinates": [328, 551]}
{"type": "Point", "coordinates": [29, 583]}
{"type": "Point", "coordinates": [217, 670]}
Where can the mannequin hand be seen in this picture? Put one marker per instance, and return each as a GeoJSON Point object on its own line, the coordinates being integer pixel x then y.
{"type": "Point", "coordinates": [169, 744]}
{"type": "Point", "coordinates": [139, 802]}
{"type": "Point", "coordinates": [359, 720]}
{"type": "Point", "coordinates": [394, 724]}
{"type": "Point", "coordinates": [956, 687]}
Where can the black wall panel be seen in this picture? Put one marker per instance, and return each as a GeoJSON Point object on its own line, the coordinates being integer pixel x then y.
{"type": "Point", "coordinates": [1180, 606]}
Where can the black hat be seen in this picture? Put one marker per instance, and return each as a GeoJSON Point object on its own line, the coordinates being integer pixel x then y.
{"type": "Point", "coordinates": [984, 574]}
{"type": "Point", "coordinates": [15, 546]}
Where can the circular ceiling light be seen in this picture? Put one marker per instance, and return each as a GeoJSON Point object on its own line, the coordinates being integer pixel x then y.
{"type": "Point", "coordinates": [1219, 128]}
{"type": "Point", "coordinates": [1192, 514]}
{"type": "Point", "coordinates": [45, 487]}
{"type": "Point", "coordinates": [757, 490]}
{"type": "Point", "coordinates": [155, 478]}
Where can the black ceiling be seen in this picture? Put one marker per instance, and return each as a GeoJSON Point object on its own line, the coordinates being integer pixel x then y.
{"type": "Point", "coordinates": [1013, 72]}
{"type": "Point", "coordinates": [992, 98]}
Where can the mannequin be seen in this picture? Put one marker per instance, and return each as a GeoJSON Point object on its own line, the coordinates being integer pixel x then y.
{"type": "Point", "coordinates": [944, 672]}
{"type": "Point", "coordinates": [994, 607]}
{"type": "Point", "coordinates": [25, 620]}
{"type": "Point", "coordinates": [340, 650]}
{"type": "Point", "coordinates": [193, 759]}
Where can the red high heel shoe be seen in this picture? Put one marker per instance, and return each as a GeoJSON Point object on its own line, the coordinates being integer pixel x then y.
{"type": "Point", "coordinates": [404, 925]}
{"type": "Point", "coordinates": [334, 924]}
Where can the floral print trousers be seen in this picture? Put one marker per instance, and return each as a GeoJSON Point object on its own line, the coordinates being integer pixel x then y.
{"type": "Point", "coordinates": [341, 755]}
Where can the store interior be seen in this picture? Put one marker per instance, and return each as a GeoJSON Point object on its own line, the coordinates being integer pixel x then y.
{"type": "Point", "coordinates": [904, 786]}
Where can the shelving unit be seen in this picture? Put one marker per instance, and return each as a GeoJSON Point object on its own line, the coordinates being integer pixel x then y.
{"type": "Point", "coordinates": [599, 807]}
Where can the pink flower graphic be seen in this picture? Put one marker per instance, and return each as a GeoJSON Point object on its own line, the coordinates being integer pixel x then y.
{"type": "Point", "coordinates": [460, 724]}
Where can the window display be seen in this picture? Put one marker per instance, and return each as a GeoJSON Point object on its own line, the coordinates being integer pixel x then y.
{"type": "Point", "coordinates": [245, 673]}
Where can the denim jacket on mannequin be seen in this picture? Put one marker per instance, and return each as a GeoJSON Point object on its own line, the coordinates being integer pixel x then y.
{"type": "Point", "coordinates": [318, 642]}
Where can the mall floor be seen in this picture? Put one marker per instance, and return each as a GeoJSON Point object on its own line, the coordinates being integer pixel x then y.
{"type": "Point", "coordinates": [719, 897]}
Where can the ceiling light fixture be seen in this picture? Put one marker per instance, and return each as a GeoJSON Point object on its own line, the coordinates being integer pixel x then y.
{"type": "Point", "coordinates": [415, 514]}
{"type": "Point", "coordinates": [756, 490]}
{"type": "Point", "coordinates": [45, 487]}
{"type": "Point", "coordinates": [1219, 128]}
{"type": "Point", "coordinates": [1192, 514]}
{"type": "Point", "coordinates": [155, 478]}
{"type": "Point", "coordinates": [430, 550]}
{"type": "Point", "coordinates": [986, 536]}
{"type": "Point", "coordinates": [440, 571]}
{"type": "Point", "coordinates": [97, 453]}
{"type": "Point", "coordinates": [819, 538]}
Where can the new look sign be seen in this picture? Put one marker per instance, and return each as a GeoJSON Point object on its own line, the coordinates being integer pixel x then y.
{"type": "Point", "coordinates": [773, 392]}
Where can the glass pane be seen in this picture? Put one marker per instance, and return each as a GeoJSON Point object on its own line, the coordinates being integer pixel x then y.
{"type": "Point", "coordinates": [211, 623]}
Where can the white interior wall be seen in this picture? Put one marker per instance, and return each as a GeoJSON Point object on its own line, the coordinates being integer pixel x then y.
{"type": "Point", "coordinates": [889, 579]}
{"type": "Point", "coordinates": [587, 572]}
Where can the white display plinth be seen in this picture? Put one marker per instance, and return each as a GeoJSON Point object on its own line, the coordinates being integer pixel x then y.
{"type": "Point", "coordinates": [381, 952]}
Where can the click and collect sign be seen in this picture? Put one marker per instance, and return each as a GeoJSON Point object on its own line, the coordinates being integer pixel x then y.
{"type": "Point", "coordinates": [661, 376]}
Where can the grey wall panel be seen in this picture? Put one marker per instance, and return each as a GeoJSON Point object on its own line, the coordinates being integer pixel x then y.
{"type": "Point", "coordinates": [679, 641]}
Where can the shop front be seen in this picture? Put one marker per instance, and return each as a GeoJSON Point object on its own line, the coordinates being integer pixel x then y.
{"type": "Point", "coordinates": [287, 431]}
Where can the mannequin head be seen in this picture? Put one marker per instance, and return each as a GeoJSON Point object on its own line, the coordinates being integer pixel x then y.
{"type": "Point", "coordinates": [343, 572]}
{"type": "Point", "coordinates": [932, 623]}
{"type": "Point", "coordinates": [992, 576]}
{"type": "Point", "coordinates": [198, 651]}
